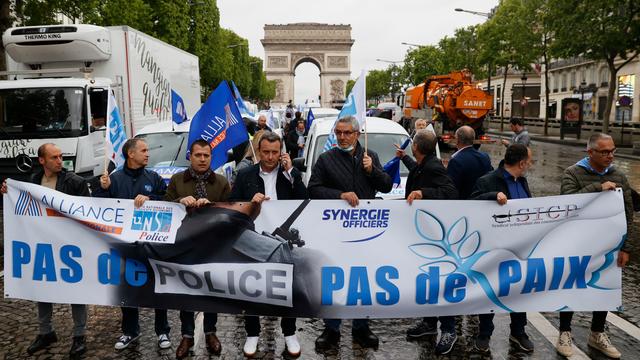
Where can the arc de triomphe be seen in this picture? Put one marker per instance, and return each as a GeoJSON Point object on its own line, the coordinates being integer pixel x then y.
{"type": "Point", "coordinates": [327, 46]}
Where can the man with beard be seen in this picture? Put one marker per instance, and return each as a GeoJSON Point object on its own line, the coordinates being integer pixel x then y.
{"type": "Point", "coordinates": [195, 187]}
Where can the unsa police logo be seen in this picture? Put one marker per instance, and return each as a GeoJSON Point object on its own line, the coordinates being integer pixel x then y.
{"type": "Point", "coordinates": [144, 220]}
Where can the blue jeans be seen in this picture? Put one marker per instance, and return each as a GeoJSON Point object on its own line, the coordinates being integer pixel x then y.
{"type": "Point", "coordinates": [334, 324]}
{"type": "Point", "coordinates": [447, 323]}
{"type": "Point", "coordinates": [188, 323]}
{"type": "Point", "coordinates": [131, 326]}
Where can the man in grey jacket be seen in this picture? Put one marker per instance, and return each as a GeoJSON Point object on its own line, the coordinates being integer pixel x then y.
{"type": "Point", "coordinates": [350, 173]}
{"type": "Point", "coordinates": [596, 173]}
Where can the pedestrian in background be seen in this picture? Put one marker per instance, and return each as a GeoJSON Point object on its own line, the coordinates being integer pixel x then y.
{"type": "Point", "coordinates": [596, 173]}
{"type": "Point", "coordinates": [55, 177]}
{"type": "Point", "coordinates": [135, 182]}
{"type": "Point", "coordinates": [295, 140]}
{"type": "Point", "coordinates": [429, 180]}
{"type": "Point", "coordinates": [348, 172]}
{"type": "Point", "coordinates": [520, 134]}
{"type": "Point", "coordinates": [198, 186]}
{"type": "Point", "coordinates": [508, 181]}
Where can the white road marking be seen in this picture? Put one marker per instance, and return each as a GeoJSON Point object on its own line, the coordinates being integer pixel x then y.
{"type": "Point", "coordinates": [551, 333]}
{"type": "Point", "coordinates": [624, 325]}
{"type": "Point", "coordinates": [198, 334]}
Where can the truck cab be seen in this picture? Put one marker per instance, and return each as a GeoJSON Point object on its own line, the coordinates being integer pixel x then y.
{"type": "Point", "coordinates": [69, 112]}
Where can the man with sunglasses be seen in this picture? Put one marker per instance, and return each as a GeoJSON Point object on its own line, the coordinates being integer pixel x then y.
{"type": "Point", "coordinates": [350, 173]}
{"type": "Point", "coordinates": [596, 173]}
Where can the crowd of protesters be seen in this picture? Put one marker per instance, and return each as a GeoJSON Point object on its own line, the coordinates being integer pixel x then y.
{"type": "Point", "coordinates": [348, 172]}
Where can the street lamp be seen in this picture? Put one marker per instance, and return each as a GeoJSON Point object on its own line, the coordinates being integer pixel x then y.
{"type": "Point", "coordinates": [394, 75]}
{"type": "Point", "coordinates": [235, 45]}
{"type": "Point", "coordinates": [410, 44]}
{"type": "Point", "coordinates": [488, 16]}
{"type": "Point", "coordinates": [523, 100]}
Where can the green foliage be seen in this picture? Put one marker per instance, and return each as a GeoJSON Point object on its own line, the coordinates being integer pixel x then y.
{"type": "Point", "coordinates": [601, 30]}
{"type": "Point", "coordinates": [378, 82]}
{"type": "Point", "coordinates": [193, 26]}
{"type": "Point", "coordinates": [422, 62]}
{"type": "Point", "coordinates": [506, 40]}
{"type": "Point", "coordinates": [350, 84]}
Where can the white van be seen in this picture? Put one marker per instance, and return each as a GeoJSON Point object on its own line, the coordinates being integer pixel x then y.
{"type": "Point", "coordinates": [382, 134]}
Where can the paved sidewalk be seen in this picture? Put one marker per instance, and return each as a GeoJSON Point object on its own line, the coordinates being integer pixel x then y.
{"type": "Point", "coordinates": [570, 140]}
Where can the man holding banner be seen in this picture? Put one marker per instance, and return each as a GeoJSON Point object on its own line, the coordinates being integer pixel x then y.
{"type": "Point", "coordinates": [506, 182]}
{"type": "Point", "coordinates": [55, 177]}
{"type": "Point", "coordinates": [133, 181]}
{"type": "Point", "coordinates": [429, 180]}
{"type": "Point", "coordinates": [195, 187]}
{"type": "Point", "coordinates": [348, 172]}
{"type": "Point", "coordinates": [596, 173]}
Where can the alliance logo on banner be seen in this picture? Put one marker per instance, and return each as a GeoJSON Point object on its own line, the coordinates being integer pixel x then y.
{"type": "Point", "coordinates": [382, 259]}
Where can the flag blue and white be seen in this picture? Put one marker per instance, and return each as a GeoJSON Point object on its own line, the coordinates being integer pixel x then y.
{"type": "Point", "coordinates": [355, 105]}
{"type": "Point", "coordinates": [116, 135]}
{"type": "Point", "coordinates": [177, 108]}
{"type": "Point", "coordinates": [310, 119]}
{"type": "Point", "coordinates": [220, 124]}
{"type": "Point", "coordinates": [392, 167]}
{"type": "Point", "coordinates": [271, 120]}
{"type": "Point", "coordinates": [240, 102]}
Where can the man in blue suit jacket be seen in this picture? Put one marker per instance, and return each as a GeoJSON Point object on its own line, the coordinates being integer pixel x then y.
{"type": "Point", "coordinates": [467, 164]}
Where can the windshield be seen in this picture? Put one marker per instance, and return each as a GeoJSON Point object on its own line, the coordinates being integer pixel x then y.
{"type": "Point", "coordinates": [382, 144]}
{"type": "Point", "coordinates": [42, 113]}
{"type": "Point", "coordinates": [167, 149]}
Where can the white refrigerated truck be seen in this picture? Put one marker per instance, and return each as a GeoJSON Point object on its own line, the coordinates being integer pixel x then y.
{"type": "Point", "coordinates": [58, 77]}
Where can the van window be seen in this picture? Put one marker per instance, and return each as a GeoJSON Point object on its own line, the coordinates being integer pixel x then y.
{"type": "Point", "coordinates": [42, 113]}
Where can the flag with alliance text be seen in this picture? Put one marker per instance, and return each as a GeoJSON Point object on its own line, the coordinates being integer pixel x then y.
{"type": "Point", "coordinates": [220, 124]}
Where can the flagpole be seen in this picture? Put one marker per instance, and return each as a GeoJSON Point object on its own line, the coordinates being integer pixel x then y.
{"type": "Point", "coordinates": [364, 111]}
{"type": "Point", "coordinates": [106, 134]}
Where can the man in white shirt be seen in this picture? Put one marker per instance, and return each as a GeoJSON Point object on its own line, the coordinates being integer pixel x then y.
{"type": "Point", "coordinates": [273, 178]}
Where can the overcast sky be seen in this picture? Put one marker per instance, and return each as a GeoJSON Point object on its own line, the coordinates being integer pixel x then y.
{"type": "Point", "coordinates": [378, 27]}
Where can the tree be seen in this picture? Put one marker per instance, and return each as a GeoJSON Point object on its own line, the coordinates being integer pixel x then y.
{"type": "Point", "coordinates": [601, 30]}
{"type": "Point", "coordinates": [350, 84]}
{"type": "Point", "coordinates": [378, 83]}
{"type": "Point", "coordinates": [135, 13]}
{"type": "Point", "coordinates": [505, 40]}
{"type": "Point", "coordinates": [461, 51]}
{"type": "Point", "coordinates": [422, 62]}
{"type": "Point", "coordinates": [539, 16]}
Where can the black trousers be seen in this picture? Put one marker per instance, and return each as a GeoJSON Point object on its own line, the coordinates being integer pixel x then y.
{"type": "Point", "coordinates": [518, 322]}
{"type": "Point", "coordinates": [131, 326]}
{"type": "Point", "coordinates": [252, 325]}
{"type": "Point", "coordinates": [597, 321]}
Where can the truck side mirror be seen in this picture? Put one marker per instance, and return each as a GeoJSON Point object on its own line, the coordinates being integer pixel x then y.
{"type": "Point", "coordinates": [298, 163]}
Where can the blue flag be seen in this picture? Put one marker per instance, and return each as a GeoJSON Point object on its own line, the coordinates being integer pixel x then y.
{"type": "Point", "coordinates": [355, 105]}
{"type": "Point", "coordinates": [240, 102]}
{"type": "Point", "coordinates": [220, 124]}
{"type": "Point", "coordinates": [177, 108]}
{"type": "Point", "coordinates": [310, 119]}
{"type": "Point", "coordinates": [392, 167]}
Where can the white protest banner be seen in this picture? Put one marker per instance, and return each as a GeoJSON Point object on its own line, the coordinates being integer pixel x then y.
{"type": "Point", "coordinates": [382, 259]}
